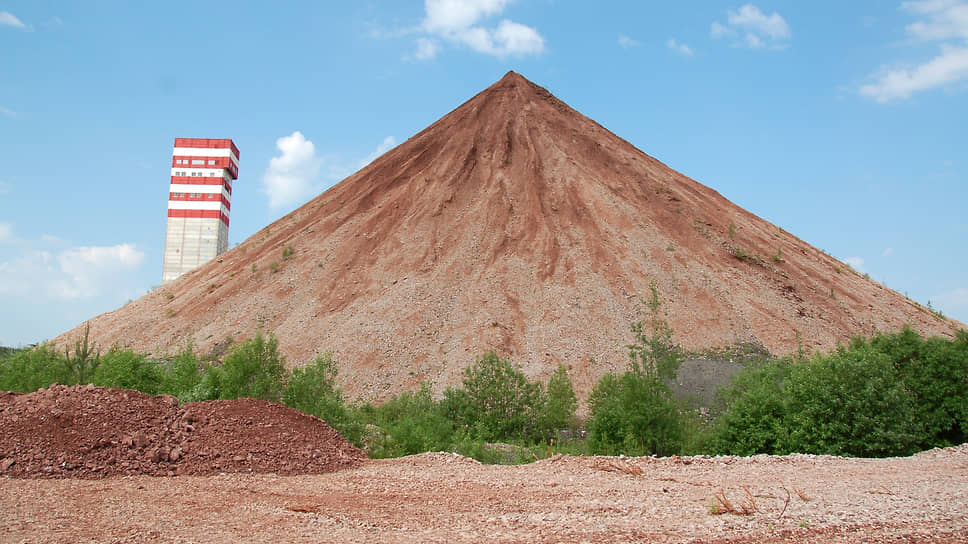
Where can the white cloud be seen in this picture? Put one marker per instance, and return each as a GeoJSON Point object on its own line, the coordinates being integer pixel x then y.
{"type": "Point", "coordinates": [887, 252]}
{"type": "Point", "coordinates": [387, 144]}
{"type": "Point", "coordinates": [91, 271]}
{"type": "Point", "coordinates": [754, 28]}
{"type": "Point", "coordinates": [898, 83]}
{"type": "Point", "coordinates": [942, 21]}
{"type": "Point", "coordinates": [512, 38]}
{"type": "Point", "coordinates": [293, 175]}
{"type": "Point", "coordinates": [751, 18]}
{"type": "Point", "coordinates": [427, 49]}
{"type": "Point", "coordinates": [449, 15]}
{"type": "Point", "coordinates": [627, 42]}
{"type": "Point", "coordinates": [945, 19]}
{"type": "Point", "coordinates": [6, 232]}
{"type": "Point", "coordinates": [76, 273]}
{"type": "Point", "coordinates": [458, 21]}
{"type": "Point", "coordinates": [9, 19]}
{"type": "Point", "coordinates": [680, 48]}
{"type": "Point", "coordinates": [8, 113]}
{"type": "Point", "coordinates": [856, 263]}
{"type": "Point", "coordinates": [26, 274]}
{"type": "Point", "coordinates": [753, 41]}
{"type": "Point", "coordinates": [4, 187]}
{"type": "Point", "coordinates": [719, 30]}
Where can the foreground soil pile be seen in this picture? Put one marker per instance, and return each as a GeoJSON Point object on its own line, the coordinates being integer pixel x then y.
{"type": "Point", "coordinates": [441, 497]}
{"type": "Point", "coordinates": [90, 432]}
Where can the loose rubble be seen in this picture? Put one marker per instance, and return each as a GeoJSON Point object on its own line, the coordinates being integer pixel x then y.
{"type": "Point", "coordinates": [92, 432]}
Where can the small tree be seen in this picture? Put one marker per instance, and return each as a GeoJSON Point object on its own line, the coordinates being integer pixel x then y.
{"type": "Point", "coordinates": [935, 370]}
{"type": "Point", "coordinates": [251, 369]}
{"type": "Point", "coordinates": [183, 375]}
{"type": "Point", "coordinates": [654, 355]}
{"type": "Point", "coordinates": [754, 411]}
{"type": "Point", "coordinates": [561, 402]}
{"type": "Point", "coordinates": [85, 361]}
{"type": "Point", "coordinates": [497, 401]}
{"type": "Point", "coordinates": [312, 389]}
{"type": "Point", "coordinates": [636, 413]}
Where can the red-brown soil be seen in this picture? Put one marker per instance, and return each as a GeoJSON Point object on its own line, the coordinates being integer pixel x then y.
{"type": "Point", "coordinates": [442, 497]}
{"type": "Point", "coordinates": [517, 224]}
{"type": "Point", "coordinates": [92, 432]}
{"type": "Point", "coordinates": [76, 466]}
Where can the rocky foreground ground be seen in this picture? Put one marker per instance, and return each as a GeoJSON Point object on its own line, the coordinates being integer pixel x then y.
{"type": "Point", "coordinates": [442, 497]}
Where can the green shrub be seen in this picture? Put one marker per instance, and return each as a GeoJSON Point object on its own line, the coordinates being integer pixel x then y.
{"type": "Point", "coordinates": [28, 370]}
{"type": "Point", "coordinates": [636, 413]}
{"type": "Point", "coordinates": [936, 372]}
{"type": "Point", "coordinates": [182, 375]}
{"type": "Point", "coordinates": [850, 403]}
{"type": "Point", "coordinates": [493, 453]}
{"type": "Point", "coordinates": [125, 369]}
{"type": "Point", "coordinates": [561, 403]}
{"type": "Point", "coordinates": [754, 413]}
{"type": "Point", "coordinates": [496, 402]}
{"type": "Point", "coordinates": [254, 368]}
{"type": "Point", "coordinates": [410, 423]}
{"type": "Point", "coordinates": [313, 390]}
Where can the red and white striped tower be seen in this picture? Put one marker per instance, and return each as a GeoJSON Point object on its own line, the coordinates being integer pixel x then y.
{"type": "Point", "coordinates": [199, 200]}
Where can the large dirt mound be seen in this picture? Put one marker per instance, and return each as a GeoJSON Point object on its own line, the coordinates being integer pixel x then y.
{"type": "Point", "coordinates": [93, 432]}
{"type": "Point", "coordinates": [517, 224]}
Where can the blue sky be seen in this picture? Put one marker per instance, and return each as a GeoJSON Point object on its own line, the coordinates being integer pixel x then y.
{"type": "Point", "coordinates": [842, 122]}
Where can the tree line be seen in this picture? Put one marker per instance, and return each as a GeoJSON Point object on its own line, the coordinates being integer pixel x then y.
{"type": "Point", "coordinates": [891, 394]}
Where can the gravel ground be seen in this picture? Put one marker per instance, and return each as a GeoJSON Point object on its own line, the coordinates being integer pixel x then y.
{"type": "Point", "coordinates": [442, 497]}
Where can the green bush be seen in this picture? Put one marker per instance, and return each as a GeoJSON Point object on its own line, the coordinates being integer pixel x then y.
{"type": "Point", "coordinates": [636, 413]}
{"type": "Point", "coordinates": [28, 370]}
{"type": "Point", "coordinates": [561, 403]}
{"type": "Point", "coordinates": [411, 423]}
{"type": "Point", "coordinates": [125, 369]}
{"type": "Point", "coordinates": [183, 375]}
{"type": "Point", "coordinates": [254, 368]}
{"type": "Point", "coordinates": [936, 372]}
{"type": "Point", "coordinates": [633, 414]}
{"type": "Point", "coordinates": [496, 402]}
{"type": "Point", "coordinates": [313, 390]}
{"type": "Point", "coordinates": [850, 403]}
{"type": "Point", "coordinates": [754, 418]}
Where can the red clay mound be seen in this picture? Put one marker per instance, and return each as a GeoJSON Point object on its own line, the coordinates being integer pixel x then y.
{"type": "Point", "coordinates": [93, 432]}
